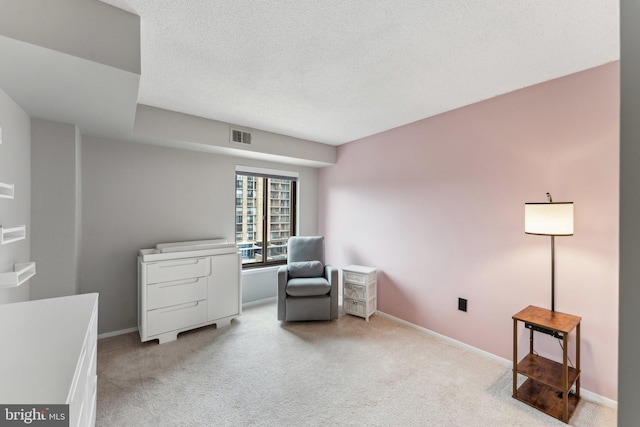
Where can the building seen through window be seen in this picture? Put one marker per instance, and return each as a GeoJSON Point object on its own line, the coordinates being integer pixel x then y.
{"type": "Point", "coordinates": [265, 218]}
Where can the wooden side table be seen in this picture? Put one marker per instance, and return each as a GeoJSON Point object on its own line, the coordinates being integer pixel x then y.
{"type": "Point", "coordinates": [548, 383]}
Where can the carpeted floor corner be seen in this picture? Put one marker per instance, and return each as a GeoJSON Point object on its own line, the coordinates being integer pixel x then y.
{"type": "Point", "coordinates": [347, 372]}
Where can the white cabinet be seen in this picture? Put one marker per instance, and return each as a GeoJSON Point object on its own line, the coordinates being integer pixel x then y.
{"type": "Point", "coordinates": [187, 285]}
{"type": "Point", "coordinates": [48, 355]}
{"type": "Point", "coordinates": [359, 288]}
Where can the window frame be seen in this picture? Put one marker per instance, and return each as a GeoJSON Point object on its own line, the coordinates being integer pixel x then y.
{"type": "Point", "coordinates": [267, 175]}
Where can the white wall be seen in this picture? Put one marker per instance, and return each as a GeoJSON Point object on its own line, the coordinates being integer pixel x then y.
{"type": "Point", "coordinates": [135, 196]}
{"type": "Point", "coordinates": [87, 29]}
{"type": "Point", "coordinates": [15, 168]}
{"type": "Point", "coordinates": [178, 130]}
{"type": "Point", "coordinates": [55, 154]}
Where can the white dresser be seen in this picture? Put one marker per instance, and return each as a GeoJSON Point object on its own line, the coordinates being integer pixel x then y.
{"type": "Point", "coordinates": [48, 355]}
{"type": "Point", "coordinates": [359, 288]}
{"type": "Point", "coordinates": [187, 285]}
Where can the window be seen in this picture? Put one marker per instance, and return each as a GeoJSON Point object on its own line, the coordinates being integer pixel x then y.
{"type": "Point", "coordinates": [265, 217]}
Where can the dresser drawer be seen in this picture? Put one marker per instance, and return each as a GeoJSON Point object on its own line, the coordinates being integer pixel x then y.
{"type": "Point", "coordinates": [165, 294]}
{"type": "Point", "coordinates": [89, 409]}
{"type": "Point", "coordinates": [355, 277]}
{"type": "Point", "coordinates": [359, 277]}
{"type": "Point", "coordinates": [354, 291]}
{"type": "Point", "coordinates": [354, 307]}
{"type": "Point", "coordinates": [92, 336]}
{"type": "Point", "coordinates": [176, 317]}
{"type": "Point", "coordinates": [179, 269]}
{"type": "Point", "coordinates": [78, 389]}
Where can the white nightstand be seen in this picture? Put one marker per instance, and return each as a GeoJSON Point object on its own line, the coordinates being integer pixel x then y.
{"type": "Point", "coordinates": [359, 293]}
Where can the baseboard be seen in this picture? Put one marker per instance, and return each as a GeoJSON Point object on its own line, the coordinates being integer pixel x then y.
{"type": "Point", "coordinates": [259, 270]}
{"type": "Point", "coordinates": [116, 333]}
{"type": "Point", "coordinates": [585, 394]}
{"type": "Point", "coordinates": [596, 398]}
{"type": "Point", "coordinates": [259, 302]}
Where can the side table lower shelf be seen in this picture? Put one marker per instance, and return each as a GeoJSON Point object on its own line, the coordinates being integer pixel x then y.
{"type": "Point", "coordinates": [545, 398]}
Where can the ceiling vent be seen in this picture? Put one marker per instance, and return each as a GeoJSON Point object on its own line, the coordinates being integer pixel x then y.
{"type": "Point", "coordinates": [240, 137]}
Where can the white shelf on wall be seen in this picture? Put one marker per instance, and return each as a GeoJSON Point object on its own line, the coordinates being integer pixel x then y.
{"type": "Point", "coordinates": [21, 273]}
{"type": "Point", "coordinates": [12, 234]}
{"type": "Point", "coordinates": [7, 191]}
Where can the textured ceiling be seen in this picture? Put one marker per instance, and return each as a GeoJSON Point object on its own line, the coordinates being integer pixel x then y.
{"type": "Point", "coordinates": [334, 71]}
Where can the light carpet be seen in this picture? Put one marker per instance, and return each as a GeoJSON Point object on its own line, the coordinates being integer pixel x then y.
{"type": "Point", "coordinates": [347, 372]}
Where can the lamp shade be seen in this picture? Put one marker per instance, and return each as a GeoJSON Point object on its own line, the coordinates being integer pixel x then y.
{"type": "Point", "coordinates": [549, 219]}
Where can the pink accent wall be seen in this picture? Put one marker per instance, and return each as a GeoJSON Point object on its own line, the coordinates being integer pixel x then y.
{"type": "Point", "coordinates": [438, 206]}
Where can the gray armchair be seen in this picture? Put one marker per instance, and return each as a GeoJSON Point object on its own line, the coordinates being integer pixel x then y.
{"type": "Point", "coordinates": [307, 288]}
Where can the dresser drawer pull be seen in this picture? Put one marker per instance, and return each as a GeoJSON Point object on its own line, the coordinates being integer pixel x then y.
{"type": "Point", "coordinates": [175, 292]}
{"type": "Point", "coordinates": [178, 263]}
{"type": "Point", "coordinates": [182, 307]}
{"type": "Point", "coordinates": [178, 283]}
{"type": "Point", "coordinates": [170, 271]}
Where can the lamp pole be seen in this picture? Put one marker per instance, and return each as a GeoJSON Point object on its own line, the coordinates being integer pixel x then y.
{"type": "Point", "coordinates": [553, 274]}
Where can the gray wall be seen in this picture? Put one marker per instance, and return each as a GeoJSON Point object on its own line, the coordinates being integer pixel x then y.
{"type": "Point", "coordinates": [15, 168]}
{"type": "Point", "coordinates": [629, 335]}
{"type": "Point", "coordinates": [135, 196]}
{"type": "Point", "coordinates": [56, 216]}
{"type": "Point", "coordinates": [260, 283]}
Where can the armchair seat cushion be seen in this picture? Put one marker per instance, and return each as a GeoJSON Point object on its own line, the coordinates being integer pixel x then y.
{"type": "Point", "coordinates": [308, 287]}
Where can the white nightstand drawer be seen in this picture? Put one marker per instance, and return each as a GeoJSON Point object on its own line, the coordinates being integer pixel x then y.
{"type": "Point", "coordinates": [359, 292]}
{"type": "Point", "coordinates": [355, 277]}
{"type": "Point", "coordinates": [359, 274]}
{"type": "Point", "coordinates": [175, 292]}
{"type": "Point", "coordinates": [175, 317]}
{"type": "Point", "coordinates": [180, 269]}
{"type": "Point", "coordinates": [354, 307]}
{"type": "Point", "coordinates": [354, 291]}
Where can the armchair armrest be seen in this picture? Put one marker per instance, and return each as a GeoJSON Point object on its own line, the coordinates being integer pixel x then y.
{"type": "Point", "coordinates": [283, 276]}
{"type": "Point", "coordinates": [331, 274]}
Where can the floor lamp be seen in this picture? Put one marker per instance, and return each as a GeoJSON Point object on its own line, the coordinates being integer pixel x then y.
{"type": "Point", "coordinates": [549, 219]}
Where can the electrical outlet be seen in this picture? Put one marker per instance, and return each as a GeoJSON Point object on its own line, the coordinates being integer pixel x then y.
{"type": "Point", "coordinates": [462, 304]}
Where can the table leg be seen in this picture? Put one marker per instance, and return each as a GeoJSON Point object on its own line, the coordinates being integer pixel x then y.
{"type": "Point", "coordinates": [565, 381]}
{"type": "Point", "coordinates": [515, 357]}
{"type": "Point", "coordinates": [578, 360]}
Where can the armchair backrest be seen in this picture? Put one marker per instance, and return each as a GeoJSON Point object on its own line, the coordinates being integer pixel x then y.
{"type": "Point", "coordinates": [305, 248]}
